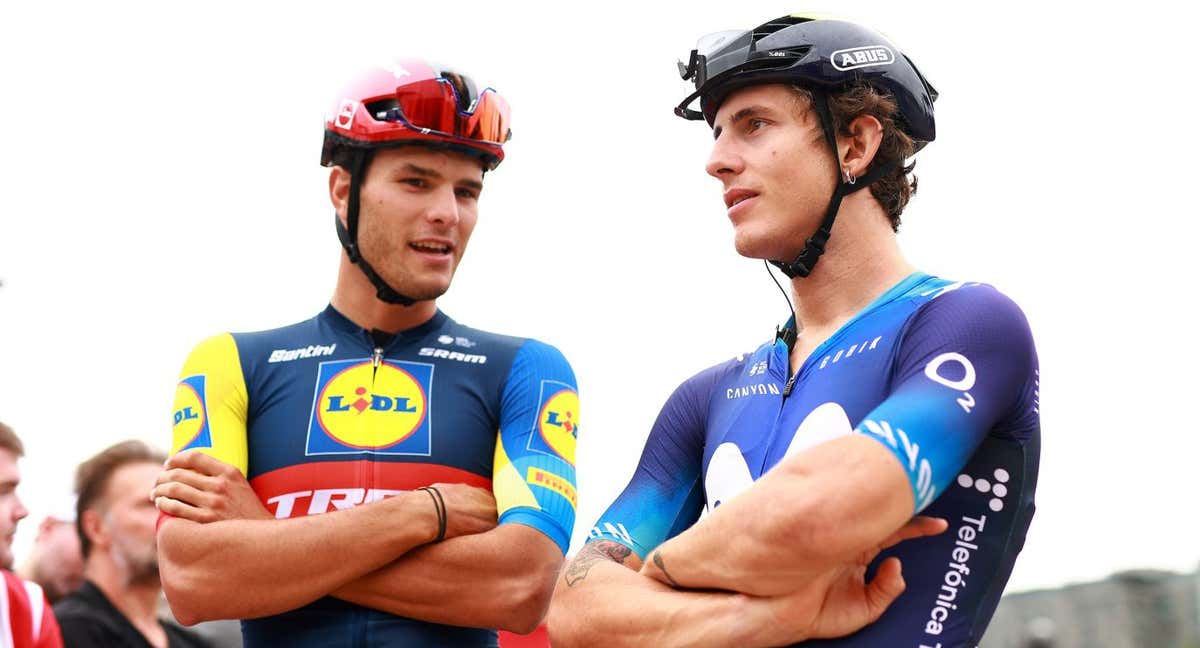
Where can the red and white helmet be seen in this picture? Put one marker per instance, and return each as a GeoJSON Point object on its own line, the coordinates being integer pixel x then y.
{"type": "Point", "coordinates": [408, 102]}
{"type": "Point", "coordinates": [411, 101]}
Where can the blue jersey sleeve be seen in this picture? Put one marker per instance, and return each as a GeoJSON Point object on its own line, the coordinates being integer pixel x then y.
{"type": "Point", "coordinates": [533, 476]}
{"type": "Point", "coordinates": [665, 495]}
{"type": "Point", "coordinates": [965, 368]}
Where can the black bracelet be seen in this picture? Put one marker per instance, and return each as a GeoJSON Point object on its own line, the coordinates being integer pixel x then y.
{"type": "Point", "coordinates": [440, 505]}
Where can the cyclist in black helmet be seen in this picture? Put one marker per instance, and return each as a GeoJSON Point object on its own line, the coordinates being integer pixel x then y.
{"type": "Point", "coordinates": [888, 393]}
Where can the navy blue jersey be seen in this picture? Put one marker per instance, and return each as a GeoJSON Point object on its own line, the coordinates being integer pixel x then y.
{"type": "Point", "coordinates": [320, 417]}
{"type": "Point", "coordinates": [944, 375]}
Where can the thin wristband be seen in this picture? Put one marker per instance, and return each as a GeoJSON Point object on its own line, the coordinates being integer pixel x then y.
{"type": "Point", "coordinates": [443, 514]}
{"type": "Point", "coordinates": [439, 505]}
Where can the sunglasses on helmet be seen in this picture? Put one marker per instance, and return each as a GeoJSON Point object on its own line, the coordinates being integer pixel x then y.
{"type": "Point", "coordinates": [432, 106]}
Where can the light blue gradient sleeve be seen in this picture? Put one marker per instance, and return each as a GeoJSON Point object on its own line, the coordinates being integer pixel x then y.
{"type": "Point", "coordinates": [966, 362]}
{"type": "Point", "coordinates": [665, 495]}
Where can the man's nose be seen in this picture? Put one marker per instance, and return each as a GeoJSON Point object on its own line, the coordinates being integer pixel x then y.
{"type": "Point", "coordinates": [444, 207]}
{"type": "Point", "coordinates": [724, 161]}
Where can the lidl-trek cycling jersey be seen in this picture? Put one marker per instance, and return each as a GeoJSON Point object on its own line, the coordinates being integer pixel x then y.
{"type": "Point", "coordinates": [320, 418]}
{"type": "Point", "coordinates": [944, 375]}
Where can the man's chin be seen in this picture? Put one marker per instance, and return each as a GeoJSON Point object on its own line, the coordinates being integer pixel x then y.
{"type": "Point", "coordinates": [754, 249]}
{"type": "Point", "coordinates": [422, 289]}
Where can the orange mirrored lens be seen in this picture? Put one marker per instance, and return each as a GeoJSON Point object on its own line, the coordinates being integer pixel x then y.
{"type": "Point", "coordinates": [431, 105]}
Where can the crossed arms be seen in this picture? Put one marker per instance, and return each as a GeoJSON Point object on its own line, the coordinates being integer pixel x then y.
{"type": "Point", "coordinates": [377, 555]}
{"type": "Point", "coordinates": [755, 573]}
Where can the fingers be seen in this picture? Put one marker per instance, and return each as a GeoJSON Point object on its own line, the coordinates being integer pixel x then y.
{"type": "Point", "coordinates": [919, 526]}
{"type": "Point", "coordinates": [176, 508]}
{"type": "Point", "coordinates": [199, 462]}
{"type": "Point", "coordinates": [884, 589]}
{"type": "Point", "coordinates": [187, 476]}
{"type": "Point", "coordinates": [183, 493]}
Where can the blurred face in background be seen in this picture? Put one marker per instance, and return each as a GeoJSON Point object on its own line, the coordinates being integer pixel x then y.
{"type": "Point", "coordinates": [127, 523]}
{"type": "Point", "coordinates": [59, 561]}
{"type": "Point", "coordinates": [12, 510]}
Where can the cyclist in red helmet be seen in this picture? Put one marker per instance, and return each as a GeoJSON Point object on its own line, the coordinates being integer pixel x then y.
{"type": "Point", "coordinates": [378, 475]}
{"type": "Point", "coordinates": [889, 392]}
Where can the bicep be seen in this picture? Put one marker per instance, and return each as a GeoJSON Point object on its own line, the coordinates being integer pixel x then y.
{"type": "Point", "coordinates": [533, 474]}
{"type": "Point", "coordinates": [963, 373]}
{"type": "Point", "coordinates": [665, 495]}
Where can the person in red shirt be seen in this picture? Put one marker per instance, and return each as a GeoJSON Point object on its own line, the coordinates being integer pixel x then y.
{"type": "Point", "coordinates": [26, 620]}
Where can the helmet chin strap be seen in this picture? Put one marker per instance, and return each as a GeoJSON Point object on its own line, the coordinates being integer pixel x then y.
{"type": "Point", "coordinates": [803, 264]}
{"type": "Point", "coordinates": [348, 235]}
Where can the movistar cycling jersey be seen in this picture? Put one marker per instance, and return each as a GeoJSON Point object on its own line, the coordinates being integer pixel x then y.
{"type": "Point", "coordinates": [319, 417]}
{"type": "Point", "coordinates": [944, 375]}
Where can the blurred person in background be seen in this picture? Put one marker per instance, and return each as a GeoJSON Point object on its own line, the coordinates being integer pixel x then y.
{"type": "Point", "coordinates": [26, 619]}
{"type": "Point", "coordinates": [378, 475]}
{"type": "Point", "coordinates": [56, 561]}
{"type": "Point", "coordinates": [117, 605]}
{"type": "Point", "coordinates": [890, 392]}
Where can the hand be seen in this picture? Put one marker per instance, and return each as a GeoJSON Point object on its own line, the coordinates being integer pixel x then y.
{"type": "Point", "coordinates": [197, 487]}
{"type": "Point", "coordinates": [840, 601]}
{"type": "Point", "coordinates": [469, 509]}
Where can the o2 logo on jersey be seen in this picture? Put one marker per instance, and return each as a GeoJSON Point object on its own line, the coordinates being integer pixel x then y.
{"type": "Point", "coordinates": [934, 372]}
{"type": "Point", "coordinates": [557, 425]}
{"type": "Point", "coordinates": [190, 420]}
{"type": "Point", "coordinates": [362, 408]}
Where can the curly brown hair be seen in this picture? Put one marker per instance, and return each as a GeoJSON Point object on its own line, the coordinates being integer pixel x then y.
{"type": "Point", "coordinates": [895, 188]}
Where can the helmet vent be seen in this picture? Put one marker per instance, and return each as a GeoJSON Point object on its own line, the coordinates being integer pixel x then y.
{"type": "Point", "coordinates": [464, 90]}
{"type": "Point", "coordinates": [766, 29]}
{"type": "Point", "coordinates": [781, 57]}
{"type": "Point", "coordinates": [378, 110]}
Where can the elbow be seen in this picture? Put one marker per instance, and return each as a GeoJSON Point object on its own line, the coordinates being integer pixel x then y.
{"type": "Point", "coordinates": [181, 586]}
{"type": "Point", "coordinates": [185, 606]}
{"type": "Point", "coordinates": [528, 603]}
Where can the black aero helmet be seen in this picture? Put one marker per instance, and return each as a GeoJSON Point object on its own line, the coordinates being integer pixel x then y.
{"type": "Point", "coordinates": [814, 53]}
{"type": "Point", "coordinates": [822, 56]}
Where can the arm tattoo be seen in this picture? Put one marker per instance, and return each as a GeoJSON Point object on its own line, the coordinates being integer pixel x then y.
{"type": "Point", "coordinates": [658, 562]}
{"type": "Point", "coordinates": [592, 553]}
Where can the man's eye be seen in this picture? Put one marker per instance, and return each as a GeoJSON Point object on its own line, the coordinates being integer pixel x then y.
{"type": "Point", "coordinates": [467, 193]}
{"type": "Point", "coordinates": [415, 182]}
{"type": "Point", "coordinates": [755, 124]}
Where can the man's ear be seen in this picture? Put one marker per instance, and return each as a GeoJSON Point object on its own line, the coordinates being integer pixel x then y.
{"type": "Point", "coordinates": [46, 526]}
{"type": "Point", "coordinates": [339, 191]}
{"type": "Point", "coordinates": [858, 149]}
{"type": "Point", "coordinates": [93, 527]}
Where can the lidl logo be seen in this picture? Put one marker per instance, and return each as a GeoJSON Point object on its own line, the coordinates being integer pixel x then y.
{"type": "Point", "coordinates": [190, 425]}
{"type": "Point", "coordinates": [363, 408]}
{"type": "Point", "coordinates": [557, 425]}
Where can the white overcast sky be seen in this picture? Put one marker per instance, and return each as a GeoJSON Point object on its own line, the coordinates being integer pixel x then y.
{"type": "Point", "coordinates": [160, 183]}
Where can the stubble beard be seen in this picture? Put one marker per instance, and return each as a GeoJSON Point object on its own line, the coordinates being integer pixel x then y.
{"type": "Point", "coordinates": [403, 282]}
{"type": "Point", "coordinates": [138, 560]}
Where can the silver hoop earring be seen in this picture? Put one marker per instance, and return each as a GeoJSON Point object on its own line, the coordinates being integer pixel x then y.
{"type": "Point", "coordinates": [848, 177]}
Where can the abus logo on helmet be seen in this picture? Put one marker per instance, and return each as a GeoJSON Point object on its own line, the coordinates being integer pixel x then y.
{"type": "Point", "coordinates": [860, 57]}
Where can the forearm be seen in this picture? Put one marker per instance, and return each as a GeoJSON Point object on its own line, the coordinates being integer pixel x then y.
{"type": "Point", "coordinates": [499, 579]}
{"type": "Point", "coordinates": [279, 565]}
{"type": "Point", "coordinates": [601, 602]}
{"type": "Point", "coordinates": [811, 512]}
